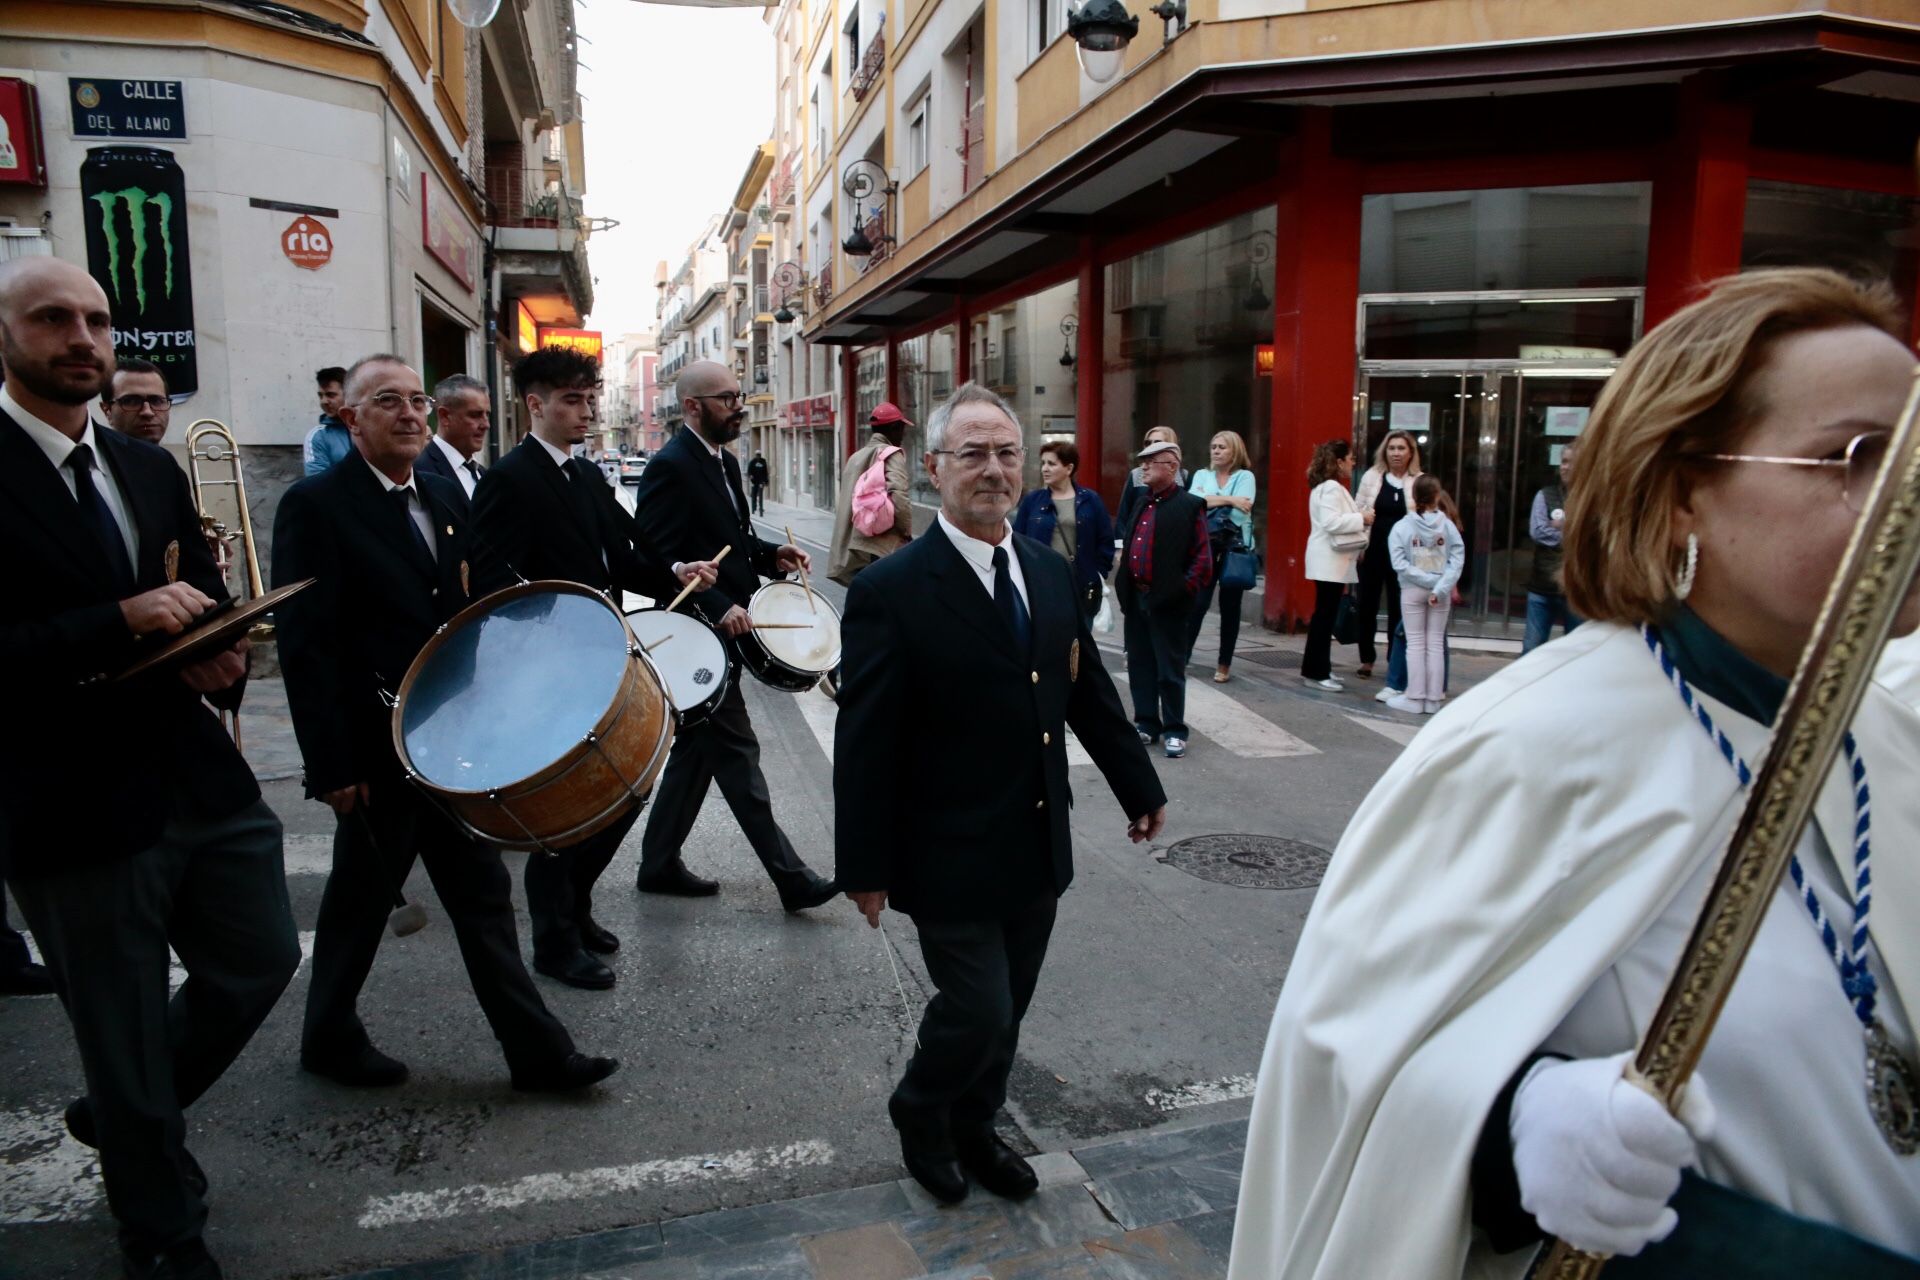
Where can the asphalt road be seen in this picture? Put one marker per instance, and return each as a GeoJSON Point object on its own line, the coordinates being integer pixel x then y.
{"type": "Point", "coordinates": [757, 1049]}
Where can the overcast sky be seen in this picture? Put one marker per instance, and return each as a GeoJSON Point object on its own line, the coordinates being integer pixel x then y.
{"type": "Point", "coordinates": [677, 98]}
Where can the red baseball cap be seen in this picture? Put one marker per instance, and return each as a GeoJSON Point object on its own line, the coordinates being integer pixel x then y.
{"type": "Point", "coordinates": [886, 413]}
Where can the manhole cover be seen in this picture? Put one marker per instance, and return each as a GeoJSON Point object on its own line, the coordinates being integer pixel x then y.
{"type": "Point", "coordinates": [1251, 862]}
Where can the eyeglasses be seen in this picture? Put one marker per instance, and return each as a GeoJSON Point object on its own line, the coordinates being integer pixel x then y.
{"type": "Point", "coordinates": [391, 402]}
{"type": "Point", "coordinates": [731, 399]}
{"type": "Point", "coordinates": [973, 459]}
{"type": "Point", "coordinates": [131, 403]}
{"type": "Point", "coordinates": [1862, 459]}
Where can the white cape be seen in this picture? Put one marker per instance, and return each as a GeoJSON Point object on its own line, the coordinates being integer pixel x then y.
{"type": "Point", "coordinates": [1522, 843]}
{"type": "Point", "coordinates": [1899, 669]}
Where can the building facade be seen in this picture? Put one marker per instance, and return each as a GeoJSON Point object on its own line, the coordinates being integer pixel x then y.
{"type": "Point", "coordinates": [1310, 222]}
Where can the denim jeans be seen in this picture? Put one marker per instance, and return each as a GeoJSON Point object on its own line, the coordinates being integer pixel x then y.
{"type": "Point", "coordinates": [1542, 613]}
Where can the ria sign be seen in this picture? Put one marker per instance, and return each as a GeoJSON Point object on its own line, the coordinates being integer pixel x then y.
{"type": "Point", "coordinates": [135, 202]}
{"type": "Point", "coordinates": [307, 243]}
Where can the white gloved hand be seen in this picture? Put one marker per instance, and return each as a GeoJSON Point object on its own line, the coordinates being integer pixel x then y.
{"type": "Point", "coordinates": [1598, 1158]}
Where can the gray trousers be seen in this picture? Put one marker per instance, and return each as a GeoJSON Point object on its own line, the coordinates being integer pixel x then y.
{"type": "Point", "coordinates": [215, 890]}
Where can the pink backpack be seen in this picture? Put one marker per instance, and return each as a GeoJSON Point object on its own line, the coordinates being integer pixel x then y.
{"type": "Point", "coordinates": [872, 505]}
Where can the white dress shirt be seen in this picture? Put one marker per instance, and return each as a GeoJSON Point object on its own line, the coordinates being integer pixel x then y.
{"type": "Point", "coordinates": [56, 444]}
{"type": "Point", "coordinates": [979, 557]}
{"type": "Point", "coordinates": [461, 472]}
{"type": "Point", "coordinates": [560, 457]}
{"type": "Point", "coordinates": [720, 457]}
{"type": "Point", "coordinates": [416, 507]}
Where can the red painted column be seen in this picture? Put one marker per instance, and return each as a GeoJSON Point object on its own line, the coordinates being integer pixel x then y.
{"type": "Point", "coordinates": [849, 405]}
{"type": "Point", "coordinates": [1699, 198]}
{"type": "Point", "coordinates": [1316, 291]}
{"type": "Point", "coordinates": [893, 369]}
{"type": "Point", "coordinates": [962, 344]}
{"type": "Point", "coordinates": [1089, 352]}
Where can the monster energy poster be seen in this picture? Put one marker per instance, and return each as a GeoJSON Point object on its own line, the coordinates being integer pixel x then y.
{"type": "Point", "coordinates": [135, 202]}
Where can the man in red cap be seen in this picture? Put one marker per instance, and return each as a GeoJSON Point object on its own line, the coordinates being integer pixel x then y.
{"type": "Point", "coordinates": [853, 548]}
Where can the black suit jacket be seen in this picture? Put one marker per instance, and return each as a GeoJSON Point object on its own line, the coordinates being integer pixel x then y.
{"type": "Point", "coordinates": [433, 461]}
{"type": "Point", "coordinates": [683, 509]}
{"type": "Point", "coordinates": [950, 755]}
{"type": "Point", "coordinates": [376, 599]}
{"type": "Point", "coordinates": [532, 522]}
{"type": "Point", "coordinates": [88, 771]}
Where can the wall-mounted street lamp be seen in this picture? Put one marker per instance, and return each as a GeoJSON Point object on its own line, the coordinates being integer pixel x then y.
{"type": "Point", "coordinates": [861, 180]}
{"type": "Point", "coordinates": [792, 283]}
{"type": "Point", "coordinates": [1069, 327]}
{"type": "Point", "coordinates": [1173, 13]}
{"type": "Point", "coordinates": [1102, 29]}
{"type": "Point", "coordinates": [1259, 254]}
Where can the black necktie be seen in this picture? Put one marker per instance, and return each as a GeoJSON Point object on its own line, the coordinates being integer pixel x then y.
{"type": "Point", "coordinates": [105, 527]}
{"type": "Point", "coordinates": [726, 482]}
{"type": "Point", "coordinates": [474, 469]}
{"type": "Point", "coordinates": [1012, 609]}
{"type": "Point", "coordinates": [406, 518]}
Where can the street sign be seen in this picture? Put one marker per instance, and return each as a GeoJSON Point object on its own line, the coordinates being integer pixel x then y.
{"type": "Point", "coordinates": [109, 108]}
{"type": "Point", "coordinates": [307, 243]}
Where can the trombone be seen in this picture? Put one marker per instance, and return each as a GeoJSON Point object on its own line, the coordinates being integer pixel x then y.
{"type": "Point", "coordinates": [210, 443]}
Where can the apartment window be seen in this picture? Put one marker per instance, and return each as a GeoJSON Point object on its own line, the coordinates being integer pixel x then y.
{"type": "Point", "coordinates": [819, 129]}
{"type": "Point", "coordinates": [1009, 356]}
{"type": "Point", "coordinates": [853, 39]}
{"type": "Point", "coordinates": [917, 135]}
{"type": "Point", "coordinates": [1048, 19]}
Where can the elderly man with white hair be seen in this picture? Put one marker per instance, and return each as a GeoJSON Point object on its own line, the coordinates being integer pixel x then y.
{"type": "Point", "coordinates": [966, 829]}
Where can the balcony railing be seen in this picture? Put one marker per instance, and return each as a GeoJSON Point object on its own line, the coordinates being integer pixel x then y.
{"type": "Point", "coordinates": [782, 189]}
{"type": "Point", "coordinates": [877, 234]}
{"type": "Point", "coordinates": [872, 63]}
{"type": "Point", "coordinates": [823, 286]}
{"type": "Point", "coordinates": [535, 200]}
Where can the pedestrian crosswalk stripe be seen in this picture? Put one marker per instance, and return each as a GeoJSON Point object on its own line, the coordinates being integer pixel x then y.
{"type": "Point", "coordinates": [1392, 729]}
{"type": "Point", "coordinates": [1227, 724]}
{"type": "Point", "coordinates": [819, 712]}
{"type": "Point", "coordinates": [308, 855]}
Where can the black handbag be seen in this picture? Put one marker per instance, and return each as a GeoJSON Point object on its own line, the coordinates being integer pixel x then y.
{"type": "Point", "coordinates": [1346, 621]}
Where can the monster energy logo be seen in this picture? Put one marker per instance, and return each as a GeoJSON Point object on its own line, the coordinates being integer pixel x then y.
{"type": "Point", "coordinates": [137, 202]}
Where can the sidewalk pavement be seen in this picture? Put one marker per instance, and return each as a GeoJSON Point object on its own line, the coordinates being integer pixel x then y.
{"type": "Point", "coordinates": [1153, 1206]}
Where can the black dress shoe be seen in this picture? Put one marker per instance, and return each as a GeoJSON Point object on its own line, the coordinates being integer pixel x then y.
{"type": "Point", "coordinates": [815, 890]}
{"type": "Point", "coordinates": [597, 940]}
{"type": "Point", "coordinates": [929, 1158]}
{"type": "Point", "coordinates": [578, 970]}
{"type": "Point", "coordinates": [189, 1261]}
{"type": "Point", "coordinates": [362, 1068]}
{"type": "Point", "coordinates": [575, 1071]}
{"type": "Point", "coordinates": [993, 1164]}
{"type": "Point", "coordinates": [29, 979]}
{"type": "Point", "coordinates": [679, 882]}
{"type": "Point", "coordinates": [79, 1117]}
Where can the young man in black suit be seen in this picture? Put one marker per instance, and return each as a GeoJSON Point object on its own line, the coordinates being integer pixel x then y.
{"type": "Point", "coordinates": [542, 513]}
{"type": "Point", "coordinates": [462, 415]}
{"type": "Point", "coordinates": [690, 503]}
{"type": "Point", "coordinates": [386, 546]}
{"type": "Point", "coordinates": [112, 866]}
{"type": "Point", "coordinates": [965, 827]}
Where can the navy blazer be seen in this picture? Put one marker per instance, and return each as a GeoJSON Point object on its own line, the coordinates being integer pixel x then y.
{"type": "Point", "coordinates": [88, 769]}
{"type": "Point", "coordinates": [960, 812]}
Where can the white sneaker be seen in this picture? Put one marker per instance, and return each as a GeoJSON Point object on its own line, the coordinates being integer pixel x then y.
{"type": "Point", "coordinates": [1329, 684]}
{"type": "Point", "coordinates": [1384, 694]}
{"type": "Point", "coordinates": [1175, 747]}
{"type": "Point", "coordinates": [1431, 708]}
{"type": "Point", "coordinates": [1401, 702]}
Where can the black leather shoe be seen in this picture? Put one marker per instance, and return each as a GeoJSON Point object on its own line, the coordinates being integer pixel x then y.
{"type": "Point", "coordinates": [929, 1158]}
{"type": "Point", "coordinates": [597, 940]}
{"type": "Point", "coordinates": [362, 1068]}
{"type": "Point", "coordinates": [29, 979]}
{"type": "Point", "coordinates": [679, 882]}
{"type": "Point", "coordinates": [993, 1164]}
{"type": "Point", "coordinates": [578, 970]}
{"type": "Point", "coordinates": [79, 1117]}
{"type": "Point", "coordinates": [575, 1071]}
{"type": "Point", "coordinates": [189, 1261]}
{"type": "Point", "coordinates": [816, 890]}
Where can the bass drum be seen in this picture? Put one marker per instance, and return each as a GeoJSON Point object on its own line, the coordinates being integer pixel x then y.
{"type": "Point", "coordinates": [534, 717]}
{"type": "Point", "coordinates": [802, 647]}
{"type": "Point", "coordinates": [691, 658]}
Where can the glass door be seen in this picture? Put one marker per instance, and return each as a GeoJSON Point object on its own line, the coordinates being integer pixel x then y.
{"type": "Point", "coordinates": [1548, 410]}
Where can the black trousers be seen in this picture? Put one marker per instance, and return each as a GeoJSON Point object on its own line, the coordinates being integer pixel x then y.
{"type": "Point", "coordinates": [13, 947]}
{"type": "Point", "coordinates": [759, 498]}
{"type": "Point", "coordinates": [1377, 578]}
{"type": "Point", "coordinates": [1157, 649]}
{"type": "Point", "coordinates": [1317, 662]}
{"type": "Point", "coordinates": [475, 889]}
{"type": "Point", "coordinates": [984, 973]}
{"type": "Point", "coordinates": [1230, 598]}
{"type": "Point", "coordinates": [215, 890]}
{"type": "Point", "coordinates": [560, 888]}
{"type": "Point", "coordinates": [720, 749]}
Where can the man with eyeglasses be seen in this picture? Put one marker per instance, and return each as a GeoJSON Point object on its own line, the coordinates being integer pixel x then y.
{"type": "Point", "coordinates": [136, 401]}
{"type": "Point", "coordinates": [690, 504]}
{"type": "Point", "coordinates": [542, 512]}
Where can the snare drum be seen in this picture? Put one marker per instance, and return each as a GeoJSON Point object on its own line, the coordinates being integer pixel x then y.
{"type": "Point", "coordinates": [691, 658]}
{"type": "Point", "coordinates": [534, 717]}
{"type": "Point", "coordinates": [793, 657]}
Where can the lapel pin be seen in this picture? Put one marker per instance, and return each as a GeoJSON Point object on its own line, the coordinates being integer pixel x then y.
{"type": "Point", "coordinates": [170, 560]}
{"type": "Point", "coordinates": [449, 531]}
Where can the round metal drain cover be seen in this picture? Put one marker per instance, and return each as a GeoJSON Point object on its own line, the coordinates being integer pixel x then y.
{"type": "Point", "coordinates": [1251, 862]}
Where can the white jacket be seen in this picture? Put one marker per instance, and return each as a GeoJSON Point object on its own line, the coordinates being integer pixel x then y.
{"type": "Point", "coordinates": [1332, 511]}
{"type": "Point", "coordinates": [1370, 481]}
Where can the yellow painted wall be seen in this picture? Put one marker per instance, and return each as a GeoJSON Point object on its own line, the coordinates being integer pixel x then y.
{"type": "Point", "coordinates": [913, 206]}
{"type": "Point", "coordinates": [1049, 90]}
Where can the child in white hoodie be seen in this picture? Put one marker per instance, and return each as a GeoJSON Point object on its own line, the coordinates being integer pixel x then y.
{"type": "Point", "coordinates": [1428, 554]}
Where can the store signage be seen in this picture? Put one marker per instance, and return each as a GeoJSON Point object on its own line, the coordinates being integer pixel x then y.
{"type": "Point", "coordinates": [135, 203]}
{"type": "Point", "coordinates": [108, 108]}
{"type": "Point", "coordinates": [307, 243]}
{"type": "Point", "coordinates": [822, 412]}
{"type": "Point", "coordinates": [1263, 360]}
{"type": "Point", "coordinates": [529, 332]}
{"type": "Point", "coordinates": [585, 341]}
{"type": "Point", "coordinates": [23, 158]}
{"type": "Point", "coordinates": [444, 233]}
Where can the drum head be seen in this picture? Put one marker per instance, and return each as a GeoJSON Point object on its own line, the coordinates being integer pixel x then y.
{"type": "Point", "coordinates": [691, 659]}
{"type": "Point", "coordinates": [512, 689]}
{"type": "Point", "coordinates": [813, 647]}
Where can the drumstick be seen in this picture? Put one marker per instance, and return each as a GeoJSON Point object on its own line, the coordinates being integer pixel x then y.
{"type": "Point", "coordinates": [783, 626]}
{"type": "Point", "coordinates": [688, 589]}
{"type": "Point", "coordinates": [811, 608]}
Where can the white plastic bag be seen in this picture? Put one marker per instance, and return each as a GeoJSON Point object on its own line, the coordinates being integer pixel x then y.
{"type": "Point", "coordinates": [1103, 620]}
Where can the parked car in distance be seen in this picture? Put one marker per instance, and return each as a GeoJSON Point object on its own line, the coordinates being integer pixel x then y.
{"type": "Point", "coordinates": [631, 467]}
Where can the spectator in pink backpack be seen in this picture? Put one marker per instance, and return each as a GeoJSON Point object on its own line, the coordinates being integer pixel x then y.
{"type": "Point", "coordinates": [873, 515]}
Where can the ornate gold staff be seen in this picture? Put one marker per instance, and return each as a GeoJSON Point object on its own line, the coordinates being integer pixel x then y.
{"type": "Point", "coordinates": [1875, 574]}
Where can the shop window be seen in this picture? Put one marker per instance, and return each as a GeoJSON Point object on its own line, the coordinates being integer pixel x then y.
{"type": "Point", "coordinates": [1540, 328]}
{"type": "Point", "coordinates": [1864, 234]}
{"type": "Point", "coordinates": [1505, 238]}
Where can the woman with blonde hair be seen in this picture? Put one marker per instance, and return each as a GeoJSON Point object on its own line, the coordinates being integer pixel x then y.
{"type": "Point", "coordinates": [1228, 486]}
{"type": "Point", "coordinates": [1384, 490]}
{"type": "Point", "coordinates": [1442, 1086]}
{"type": "Point", "coordinates": [1337, 535]}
